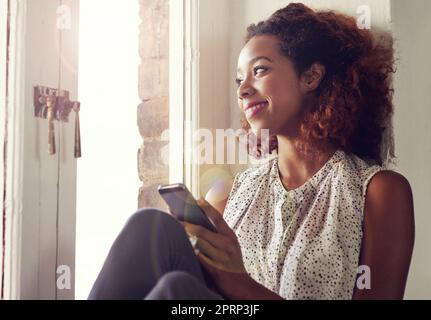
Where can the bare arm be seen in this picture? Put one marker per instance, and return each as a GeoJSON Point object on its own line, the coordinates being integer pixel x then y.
{"type": "Point", "coordinates": [388, 239]}
{"type": "Point", "coordinates": [218, 194]}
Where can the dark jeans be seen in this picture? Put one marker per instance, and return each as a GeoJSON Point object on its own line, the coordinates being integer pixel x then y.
{"type": "Point", "coordinates": [153, 259]}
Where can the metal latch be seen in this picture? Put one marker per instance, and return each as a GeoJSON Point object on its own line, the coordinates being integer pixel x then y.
{"type": "Point", "coordinates": [54, 104]}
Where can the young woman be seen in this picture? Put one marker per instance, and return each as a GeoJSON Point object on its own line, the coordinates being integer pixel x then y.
{"type": "Point", "coordinates": [323, 219]}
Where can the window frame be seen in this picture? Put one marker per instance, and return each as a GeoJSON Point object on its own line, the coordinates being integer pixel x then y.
{"type": "Point", "coordinates": [183, 92]}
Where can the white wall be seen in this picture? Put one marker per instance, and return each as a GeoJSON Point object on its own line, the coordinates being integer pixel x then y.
{"type": "Point", "coordinates": [107, 178]}
{"type": "Point", "coordinates": [412, 122]}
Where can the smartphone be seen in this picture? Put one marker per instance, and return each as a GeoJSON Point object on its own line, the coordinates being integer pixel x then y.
{"type": "Point", "coordinates": [183, 205]}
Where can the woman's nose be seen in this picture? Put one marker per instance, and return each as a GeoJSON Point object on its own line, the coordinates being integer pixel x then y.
{"type": "Point", "coordinates": [245, 90]}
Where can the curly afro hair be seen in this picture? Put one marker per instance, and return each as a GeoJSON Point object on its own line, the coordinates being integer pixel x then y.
{"type": "Point", "coordinates": [354, 100]}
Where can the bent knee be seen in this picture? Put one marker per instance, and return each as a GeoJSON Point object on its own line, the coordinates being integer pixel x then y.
{"type": "Point", "coordinates": [149, 216]}
{"type": "Point", "coordinates": [176, 279]}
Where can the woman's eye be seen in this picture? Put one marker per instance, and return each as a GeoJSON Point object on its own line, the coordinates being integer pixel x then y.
{"type": "Point", "coordinates": [259, 68]}
{"type": "Point", "coordinates": [255, 71]}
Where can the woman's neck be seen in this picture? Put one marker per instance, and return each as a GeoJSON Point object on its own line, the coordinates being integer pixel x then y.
{"type": "Point", "coordinates": [295, 167]}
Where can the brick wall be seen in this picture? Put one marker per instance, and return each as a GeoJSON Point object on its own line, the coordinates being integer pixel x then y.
{"type": "Point", "coordinates": [153, 112]}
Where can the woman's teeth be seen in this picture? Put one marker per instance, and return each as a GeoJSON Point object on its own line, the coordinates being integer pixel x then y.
{"type": "Point", "coordinates": [253, 110]}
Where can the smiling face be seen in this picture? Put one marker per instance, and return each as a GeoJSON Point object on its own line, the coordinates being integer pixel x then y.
{"type": "Point", "coordinates": [267, 77]}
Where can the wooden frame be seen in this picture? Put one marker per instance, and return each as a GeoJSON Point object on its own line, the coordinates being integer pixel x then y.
{"type": "Point", "coordinates": [176, 90]}
{"type": "Point", "coordinates": [15, 149]}
{"type": "Point", "coordinates": [183, 92]}
{"type": "Point", "coordinates": [191, 94]}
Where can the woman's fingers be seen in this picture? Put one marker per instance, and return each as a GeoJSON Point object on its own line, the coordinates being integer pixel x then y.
{"type": "Point", "coordinates": [216, 256]}
{"type": "Point", "coordinates": [215, 217]}
{"type": "Point", "coordinates": [201, 232]}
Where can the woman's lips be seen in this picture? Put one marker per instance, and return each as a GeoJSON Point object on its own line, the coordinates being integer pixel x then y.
{"type": "Point", "coordinates": [251, 112]}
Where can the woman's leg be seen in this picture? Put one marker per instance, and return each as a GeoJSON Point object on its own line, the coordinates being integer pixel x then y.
{"type": "Point", "coordinates": [152, 244]}
{"type": "Point", "coordinates": [181, 285]}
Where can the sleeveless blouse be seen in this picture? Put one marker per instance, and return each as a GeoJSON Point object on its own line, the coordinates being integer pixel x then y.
{"type": "Point", "coordinates": [302, 243]}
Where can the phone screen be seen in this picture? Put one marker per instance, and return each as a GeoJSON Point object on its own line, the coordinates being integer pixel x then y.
{"type": "Point", "coordinates": [183, 205]}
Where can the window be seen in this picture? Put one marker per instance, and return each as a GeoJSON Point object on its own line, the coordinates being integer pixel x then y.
{"type": "Point", "coordinates": [107, 176]}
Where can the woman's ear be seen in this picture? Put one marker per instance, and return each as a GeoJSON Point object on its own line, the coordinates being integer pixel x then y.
{"type": "Point", "coordinates": [311, 78]}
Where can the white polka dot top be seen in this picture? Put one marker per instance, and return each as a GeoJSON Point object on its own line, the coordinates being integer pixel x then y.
{"type": "Point", "coordinates": [303, 243]}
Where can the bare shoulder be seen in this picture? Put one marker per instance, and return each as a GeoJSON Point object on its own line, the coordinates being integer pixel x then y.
{"type": "Point", "coordinates": [389, 188]}
{"type": "Point", "coordinates": [388, 178]}
{"type": "Point", "coordinates": [389, 201]}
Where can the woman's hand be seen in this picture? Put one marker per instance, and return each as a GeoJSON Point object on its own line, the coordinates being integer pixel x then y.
{"type": "Point", "coordinates": [219, 253]}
